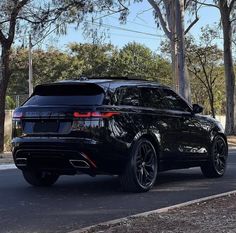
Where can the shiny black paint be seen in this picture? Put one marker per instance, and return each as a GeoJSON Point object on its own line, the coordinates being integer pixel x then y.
{"type": "Point", "coordinates": [181, 139]}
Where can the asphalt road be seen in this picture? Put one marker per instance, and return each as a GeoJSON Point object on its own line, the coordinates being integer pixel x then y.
{"type": "Point", "coordinates": [79, 201]}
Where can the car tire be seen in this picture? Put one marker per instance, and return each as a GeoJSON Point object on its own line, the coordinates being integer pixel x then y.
{"type": "Point", "coordinates": [39, 178]}
{"type": "Point", "coordinates": [216, 166]}
{"type": "Point", "coordinates": [141, 170]}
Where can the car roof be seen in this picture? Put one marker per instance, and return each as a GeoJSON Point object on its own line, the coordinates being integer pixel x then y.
{"type": "Point", "coordinates": [113, 82]}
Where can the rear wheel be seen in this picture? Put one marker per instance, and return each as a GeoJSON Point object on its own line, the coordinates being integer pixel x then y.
{"type": "Point", "coordinates": [141, 170]}
{"type": "Point", "coordinates": [40, 178]}
{"type": "Point", "coordinates": [216, 166]}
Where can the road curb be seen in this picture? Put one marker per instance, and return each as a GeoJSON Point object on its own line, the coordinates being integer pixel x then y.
{"type": "Point", "coordinates": [7, 166]}
{"type": "Point", "coordinates": [157, 211]}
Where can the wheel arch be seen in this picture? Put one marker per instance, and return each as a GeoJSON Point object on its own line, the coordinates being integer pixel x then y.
{"type": "Point", "coordinates": [216, 133]}
{"type": "Point", "coordinates": [224, 137]}
{"type": "Point", "coordinates": [154, 138]}
{"type": "Point", "coordinates": [154, 142]}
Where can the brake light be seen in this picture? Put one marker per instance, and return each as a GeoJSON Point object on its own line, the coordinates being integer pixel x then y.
{"type": "Point", "coordinates": [17, 114]}
{"type": "Point", "coordinates": [95, 114]}
{"type": "Point", "coordinates": [82, 115]}
{"type": "Point", "coordinates": [104, 114]}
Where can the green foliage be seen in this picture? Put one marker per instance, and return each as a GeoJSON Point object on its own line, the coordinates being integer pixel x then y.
{"type": "Point", "coordinates": [18, 83]}
{"type": "Point", "coordinates": [137, 60]}
{"type": "Point", "coordinates": [133, 60]}
{"type": "Point", "coordinates": [10, 103]}
{"type": "Point", "coordinates": [52, 65]}
{"type": "Point", "coordinates": [86, 60]}
{"type": "Point", "coordinates": [94, 59]}
{"type": "Point", "coordinates": [48, 66]}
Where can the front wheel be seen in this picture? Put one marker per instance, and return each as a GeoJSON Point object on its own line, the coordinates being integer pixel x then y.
{"type": "Point", "coordinates": [40, 178]}
{"type": "Point", "coordinates": [141, 170]}
{"type": "Point", "coordinates": [216, 166]}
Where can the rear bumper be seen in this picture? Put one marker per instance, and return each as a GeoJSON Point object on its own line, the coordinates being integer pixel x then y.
{"type": "Point", "coordinates": [68, 155]}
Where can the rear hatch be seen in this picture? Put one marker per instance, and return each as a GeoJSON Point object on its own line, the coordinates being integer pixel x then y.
{"type": "Point", "coordinates": [60, 109]}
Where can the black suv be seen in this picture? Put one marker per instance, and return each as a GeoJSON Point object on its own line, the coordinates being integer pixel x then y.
{"type": "Point", "coordinates": [130, 128]}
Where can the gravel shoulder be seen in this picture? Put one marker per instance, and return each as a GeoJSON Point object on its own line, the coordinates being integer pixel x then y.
{"type": "Point", "coordinates": [217, 215]}
{"type": "Point", "coordinates": [231, 141]}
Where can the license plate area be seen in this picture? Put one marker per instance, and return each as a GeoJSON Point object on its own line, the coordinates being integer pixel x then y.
{"type": "Point", "coordinates": [41, 126]}
{"type": "Point", "coordinates": [45, 127]}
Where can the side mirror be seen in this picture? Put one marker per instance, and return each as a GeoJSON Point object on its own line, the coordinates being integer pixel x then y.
{"type": "Point", "coordinates": [197, 109]}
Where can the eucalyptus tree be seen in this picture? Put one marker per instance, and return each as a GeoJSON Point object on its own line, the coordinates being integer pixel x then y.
{"type": "Point", "coordinates": [170, 15]}
{"type": "Point", "coordinates": [227, 9]}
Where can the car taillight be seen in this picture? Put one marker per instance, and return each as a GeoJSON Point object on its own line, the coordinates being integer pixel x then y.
{"type": "Point", "coordinates": [16, 124]}
{"type": "Point", "coordinates": [82, 115]}
{"type": "Point", "coordinates": [95, 114]}
{"type": "Point", "coordinates": [104, 114]}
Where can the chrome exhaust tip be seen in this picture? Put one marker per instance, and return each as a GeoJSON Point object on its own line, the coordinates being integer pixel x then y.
{"type": "Point", "coordinates": [21, 162]}
{"type": "Point", "coordinates": [79, 164]}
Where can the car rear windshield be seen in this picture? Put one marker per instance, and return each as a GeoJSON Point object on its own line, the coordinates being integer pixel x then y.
{"type": "Point", "coordinates": [67, 94]}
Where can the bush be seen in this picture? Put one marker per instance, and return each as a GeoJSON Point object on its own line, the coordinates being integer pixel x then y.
{"type": "Point", "coordinates": [10, 103]}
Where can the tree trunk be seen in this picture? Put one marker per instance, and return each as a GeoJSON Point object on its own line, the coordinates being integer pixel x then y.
{"type": "Point", "coordinates": [212, 103]}
{"type": "Point", "coordinates": [188, 87]}
{"type": "Point", "coordinates": [230, 127]}
{"type": "Point", "coordinates": [174, 30]}
{"type": "Point", "coordinates": [173, 41]}
{"type": "Point", "coordinates": [184, 88]}
{"type": "Point", "coordinates": [4, 78]}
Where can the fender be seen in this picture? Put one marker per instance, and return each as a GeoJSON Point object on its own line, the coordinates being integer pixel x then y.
{"type": "Point", "coordinates": [152, 134]}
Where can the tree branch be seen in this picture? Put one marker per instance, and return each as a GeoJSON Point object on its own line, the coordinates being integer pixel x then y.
{"type": "Point", "coordinates": [231, 21]}
{"type": "Point", "coordinates": [13, 18]}
{"type": "Point", "coordinates": [206, 4]}
{"type": "Point", "coordinates": [191, 25]}
{"type": "Point", "coordinates": [3, 39]}
{"type": "Point", "coordinates": [231, 5]}
{"type": "Point", "coordinates": [162, 21]}
{"type": "Point", "coordinates": [195, 72]}
{"type": "Point", "coordinates": [5, 21]}
{"type": "Point", "coordinates": [204, 69]}
{"type": "Point", "coordinates": [210, 74]}
{"type": "Point", "coordinates": [124, 7]}
{"type": "Point", "coordinates": [186, 3]}
{"type": "Point", "coordinates": [234, 42]}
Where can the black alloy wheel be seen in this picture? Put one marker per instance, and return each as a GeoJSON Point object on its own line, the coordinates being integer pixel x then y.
{"type": "Point", "coordinates": [141, 171]}
{"type": "Point", "coordinates": [217, 165]}
{"type": "Point", "coordinates": [145, 164]}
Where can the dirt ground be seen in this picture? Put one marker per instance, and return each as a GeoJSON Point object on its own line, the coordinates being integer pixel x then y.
{"type": "Point", "coordinates": [218, 216]}
{"type": "Point", "coordinates": [231, 140]}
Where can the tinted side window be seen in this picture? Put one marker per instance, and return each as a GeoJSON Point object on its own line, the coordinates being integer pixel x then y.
{"type": "Point", "coordinates": [151, 98]}
{"type": "Point", "coordinates": [128, 96]}
{"type": "Point", "coordinates": [174, 101]}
